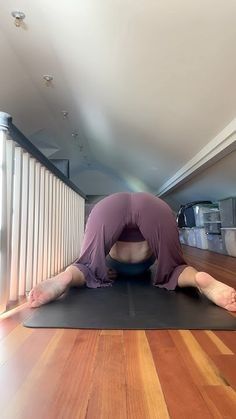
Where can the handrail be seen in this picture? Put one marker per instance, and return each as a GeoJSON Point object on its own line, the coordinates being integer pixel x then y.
{"type": "Point", "coordinates": [19, 137]}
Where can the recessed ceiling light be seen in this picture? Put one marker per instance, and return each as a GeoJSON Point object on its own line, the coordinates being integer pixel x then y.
{"type": "Point", "coordinates": [74, 134]}
{"type": "Point", "coordinates": [48, 78]}
{"type": "Point", "coordinates": [19, 17]}
{"type": "Point", "coordinates": [65, 114]}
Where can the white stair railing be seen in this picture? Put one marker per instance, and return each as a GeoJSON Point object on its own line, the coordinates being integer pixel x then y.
{"type": "Point", "coordinates": [41, 216]}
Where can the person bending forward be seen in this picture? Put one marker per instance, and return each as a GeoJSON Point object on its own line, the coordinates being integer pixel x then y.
{"type": "Point", "coordinates": [126, 233]}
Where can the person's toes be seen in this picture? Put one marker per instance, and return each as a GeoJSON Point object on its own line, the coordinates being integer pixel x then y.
{"type": "Point", "coordinates": [231, 307]}
{"type": "Point", "coordinates": [31, 296]}
{"type": "Point", "coordinates": [35, 304]}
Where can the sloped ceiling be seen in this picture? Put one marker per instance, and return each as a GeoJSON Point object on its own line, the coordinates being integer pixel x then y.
{"type": "Point", "coordinates": [146, 84]}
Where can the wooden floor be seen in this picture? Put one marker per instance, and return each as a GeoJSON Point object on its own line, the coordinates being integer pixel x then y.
{"type": "Point", "coordinates": [53, 373]}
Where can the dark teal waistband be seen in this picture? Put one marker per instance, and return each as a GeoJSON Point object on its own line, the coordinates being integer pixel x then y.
{"type": "Point", "coordinates": [129, 268]}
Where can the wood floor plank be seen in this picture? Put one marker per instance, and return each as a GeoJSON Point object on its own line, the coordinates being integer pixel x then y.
{"type": "Point", "coordinates": [10, 344]}
{"type": "Point", "coordinates": [201, 367]}
{"type": "Point", "coordinates": [222, 399]}
{"type": "Point", "coordinates": [19, 365]}
{"type": "Point", "coordinates": [7, 326]}
{"type": "Point", "coordinates": [203, 362]}
{"type": "Point", "coordinates": [223, 348]}
{"type": "Point", "coordinates": [211, 343]}
{"type": "Point", "coordinates": [108, 393]}
{"type": "Point", "coordinates": [229, 338]}
{"type": "Point", "coordinates": [144, 397]}
{"type": "Point", "coordinates": [181, 393]}
{"type": "Point", "coordinates": [227, 365]}
{"type": "Point", "coordinates": [72, 395]}
{"type": "Point", "coordinates": [162, 337]}
{"type": "Point", "coordinates": [33, 401]}
{"type": "Point", "coordinates": [111, 333]}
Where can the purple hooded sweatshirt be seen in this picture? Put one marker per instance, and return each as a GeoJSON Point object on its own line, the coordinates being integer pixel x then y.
{"type": "Point", "coordinates": [131, 217]}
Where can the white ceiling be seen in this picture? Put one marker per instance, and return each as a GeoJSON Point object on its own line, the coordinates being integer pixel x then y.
{"type": "Point", "coordinates": [147, 84]}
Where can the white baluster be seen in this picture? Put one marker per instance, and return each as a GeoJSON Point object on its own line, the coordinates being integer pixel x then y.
{"type": "Point", "coordinates": [30, 235]}
{"type": "Point", "coordinates": [24, 223]}
{"type": "Point", "coordinates": [4, 281]}
{"type": "Point", "coordinates": [16, 225]}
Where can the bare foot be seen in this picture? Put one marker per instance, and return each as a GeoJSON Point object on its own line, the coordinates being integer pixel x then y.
{"type": "Point", "coordinates": [49, 290]}
{"type": "Point", "coordinates": [218, 292]}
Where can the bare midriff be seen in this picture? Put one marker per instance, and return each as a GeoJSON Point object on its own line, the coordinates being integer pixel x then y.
{"type": "Point", "coordinates": [130, 252]}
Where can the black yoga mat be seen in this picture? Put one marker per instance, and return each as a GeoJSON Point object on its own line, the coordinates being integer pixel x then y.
{"type": "Point", "coordinates": [132, 304]}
